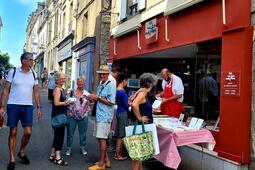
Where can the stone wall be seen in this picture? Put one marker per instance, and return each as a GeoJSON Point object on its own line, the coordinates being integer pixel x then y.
{"type": "Point", "coordinates": [105, 31]}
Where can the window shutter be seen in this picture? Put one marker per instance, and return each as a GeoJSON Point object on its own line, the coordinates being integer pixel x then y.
{"type": "Point", "coordinates": [141, 5]}
{"type": "Point", "coordinates": [123, 9]}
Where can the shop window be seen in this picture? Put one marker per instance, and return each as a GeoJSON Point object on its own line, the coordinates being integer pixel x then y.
{"type": "Point", "coordinates": [68, 72]}
{"type": "Point", "coordinates": [199, 67]}
{"type": "Point", "coordinates": [83, 70]}
{"type": "Point", "coordinates": [60, 69]}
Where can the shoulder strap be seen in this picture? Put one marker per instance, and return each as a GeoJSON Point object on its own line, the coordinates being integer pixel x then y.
{"type": "Point", "coordinates": [104, 87]}
{"type": "Point", "coordinates": [14, 72]}
{"type": "Point", "coordinates": [135, 95]}
{"type": "Point", "coordinates": [33, 74]}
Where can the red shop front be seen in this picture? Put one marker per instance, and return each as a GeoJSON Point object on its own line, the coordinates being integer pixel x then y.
{"type": "Point", "coordinates": [208, 21]}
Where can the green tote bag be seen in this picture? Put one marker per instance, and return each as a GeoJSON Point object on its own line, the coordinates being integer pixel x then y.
{"type": "Point", "coordinates": [140, 146]}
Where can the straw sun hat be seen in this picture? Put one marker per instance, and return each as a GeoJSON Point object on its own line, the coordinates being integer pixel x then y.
{"type": "Point", "coordinates": [103, 69]}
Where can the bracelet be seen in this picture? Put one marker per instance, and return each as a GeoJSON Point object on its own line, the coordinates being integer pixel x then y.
{"type": "Point", "coordinates": [39, 107]}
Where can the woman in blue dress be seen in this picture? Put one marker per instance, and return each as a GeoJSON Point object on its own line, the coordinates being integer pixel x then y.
{"type": "Point", "coordinates": [141, 106]}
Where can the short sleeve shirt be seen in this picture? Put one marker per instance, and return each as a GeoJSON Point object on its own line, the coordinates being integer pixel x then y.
{"type": "Point", "coordinates": [103, 111]}
{"type": "Point", "coordinates": [51, 82]}
{"type": "Point", "coordinates": [178, 87]}
{"type": "Point", "coordinates": [21, 92]}
{"type": "Point", "coordinates": [111, 78]}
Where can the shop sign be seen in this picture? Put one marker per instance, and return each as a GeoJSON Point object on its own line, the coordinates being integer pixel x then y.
{"type": "Point", "coordinates": [230, 86]}
{"type": "Point", "coordinates": [151, 31]}
{"type": "Point", "coordinates": [65, 52]}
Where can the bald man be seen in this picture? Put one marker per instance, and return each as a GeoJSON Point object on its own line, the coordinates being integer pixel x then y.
{"type": "Point", "coordinates": [172, 94]}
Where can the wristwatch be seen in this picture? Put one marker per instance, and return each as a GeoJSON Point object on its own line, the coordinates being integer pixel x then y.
{"type": "Point", "coordinates": [39, 107]}
{"type": "Point", "coordinates": [99, 97]}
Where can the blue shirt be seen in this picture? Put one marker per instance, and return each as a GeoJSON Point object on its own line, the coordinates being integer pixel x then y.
{"type": "Point", "coordinates": [122, 101]}
{"type": "Point", "coordinates": [51, 82]}
{"type": "Point", "coordinates": [103, 111]}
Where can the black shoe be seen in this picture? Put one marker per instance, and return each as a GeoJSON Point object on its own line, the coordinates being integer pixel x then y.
{"type": "Point", "coordinates": [24, 159]}
{"type": "Point", "coordinates": [11, 166]}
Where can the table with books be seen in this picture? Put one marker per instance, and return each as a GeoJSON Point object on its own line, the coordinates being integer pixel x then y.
{"type": "Point", "coordinates": [172, 136]}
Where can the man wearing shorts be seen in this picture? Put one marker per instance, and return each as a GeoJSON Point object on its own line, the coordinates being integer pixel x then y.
{"type": "Point", "coordinates": [20, 85]}
{"type": "Point", "coordinates": [105, 97]}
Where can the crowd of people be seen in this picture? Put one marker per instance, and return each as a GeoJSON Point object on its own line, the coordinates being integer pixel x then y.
{"type": "Point", "coordinates": [110, 102]}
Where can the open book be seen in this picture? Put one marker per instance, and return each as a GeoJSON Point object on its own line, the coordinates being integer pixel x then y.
{"type": "Point", "coordinates": [195, 123]}
{"type": "Point", "coordinates": [156, 104]}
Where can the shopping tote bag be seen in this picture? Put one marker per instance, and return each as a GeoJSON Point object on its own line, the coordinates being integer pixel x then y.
{"type": "Point", "coordinates": [140, 146]}
{"type": "Point", "coordinates": [148, 127]}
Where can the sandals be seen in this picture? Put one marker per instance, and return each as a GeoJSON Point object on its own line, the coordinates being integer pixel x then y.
{"type": "Point", "coordinates": [119, 158]}
{"type": "Point", "coordinates": [52, 158]}
{"type": "Point", "coordinates": [60, 161]}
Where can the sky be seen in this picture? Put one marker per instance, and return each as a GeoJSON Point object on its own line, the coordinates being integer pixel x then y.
{"type": "Point", "coordinates": [14, 14]}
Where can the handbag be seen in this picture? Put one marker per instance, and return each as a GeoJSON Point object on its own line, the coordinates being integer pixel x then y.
{"type": "Point", "coordinates": [140, 146]}
{"type": "Point", "coordinates": [94, 109]}
{"type": "Point", "coordinates": [148, 127]}
{"type": "Point", "coordinates": [59, 121]}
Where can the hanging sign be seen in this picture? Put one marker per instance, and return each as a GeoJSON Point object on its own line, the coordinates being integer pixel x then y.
{"type": "Point", "coordinates": [151, 31]}
{"type": "Point", "coordinates": [230, 86]}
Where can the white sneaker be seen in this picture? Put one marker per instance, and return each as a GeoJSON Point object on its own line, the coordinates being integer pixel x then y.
{"type": "Point", "coordinates": [83, 151]}
{"type": "Point", "coordinates": [68, 151]}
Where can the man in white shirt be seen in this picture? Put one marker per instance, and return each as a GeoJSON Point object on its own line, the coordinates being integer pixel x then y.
{"type": "Point", "coordinates": [21, 83]}
{"type": "Point", "coordinates": [113, 76]}
{"type": "Point", "coordinates": [172, 95]}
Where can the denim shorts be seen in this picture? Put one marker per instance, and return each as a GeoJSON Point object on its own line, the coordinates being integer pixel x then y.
{"type": "Point", "coordinates": [24, 113]}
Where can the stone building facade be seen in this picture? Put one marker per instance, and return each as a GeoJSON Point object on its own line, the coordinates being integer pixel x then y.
{"type": "Point", "coordinates": [76, 41]}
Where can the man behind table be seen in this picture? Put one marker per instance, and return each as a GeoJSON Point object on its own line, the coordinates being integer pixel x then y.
{"type": "Point", "coordinates": [172, 94]}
